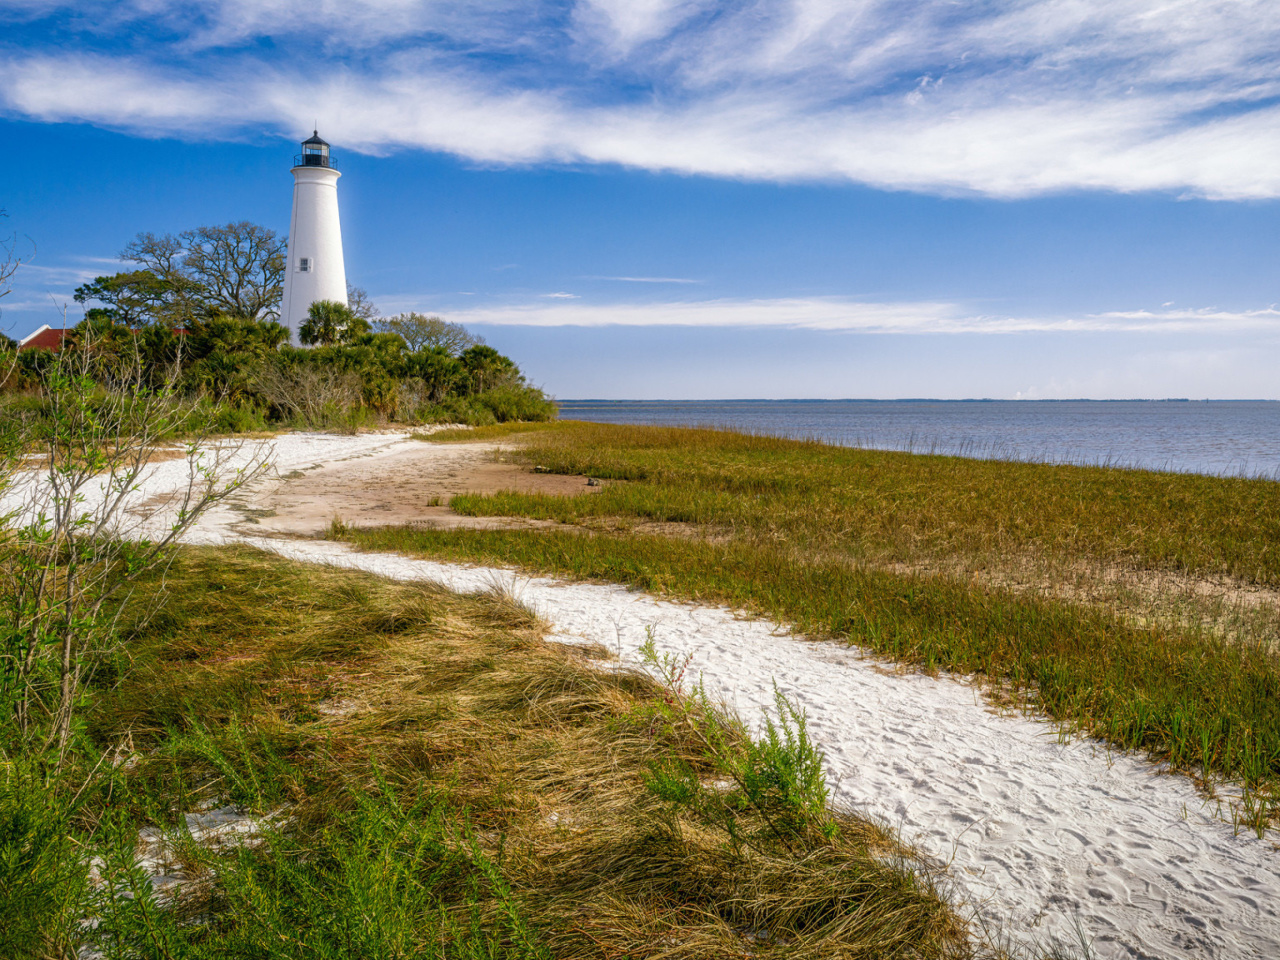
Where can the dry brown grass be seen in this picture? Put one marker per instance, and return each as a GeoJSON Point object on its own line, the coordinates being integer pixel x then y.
{"type": "Point", "coordinates": [541, 752]}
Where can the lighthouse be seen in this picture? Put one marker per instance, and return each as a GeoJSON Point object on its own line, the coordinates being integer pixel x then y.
{"type": "Point", "coordinates": [315, 270]}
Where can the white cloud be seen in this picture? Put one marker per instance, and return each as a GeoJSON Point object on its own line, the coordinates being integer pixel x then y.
{"type": "Point", "coordinates": [40, 276]}
{"type": "Point", "coordinates": [840, 314]}
{"type": "Point", "coordinates": [622, 25]}
{"type": "Point", "coordinates": [41, 293]}
{"type": "Point", "coordinates": [1011, 98]}
{"type": "Point", "coordinates": [115, 92]}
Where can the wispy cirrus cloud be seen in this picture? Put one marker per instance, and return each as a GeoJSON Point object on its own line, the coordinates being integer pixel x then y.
{"type": "Point", "coordinates": [45, 290]}
{"type": "Point", "coordinates": [841, 314]}
{"type": "Point", "coordinates": [1009, 98]}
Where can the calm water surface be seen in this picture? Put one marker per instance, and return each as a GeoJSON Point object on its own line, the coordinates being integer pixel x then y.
{"type": "Point", "coordinates": [1220, 436]}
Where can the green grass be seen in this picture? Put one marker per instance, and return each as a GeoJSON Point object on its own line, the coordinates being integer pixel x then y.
{"type": "Point", "coordinates": [1206, 704]}
{"type": "Point", "coordinates": [806, 534]}
{"type": "Point", "coordinates": [490, 431]}
{"type": "Point", "coordinates": [432, 780]}
{"type": "Point", "coordinates": [898, 507]}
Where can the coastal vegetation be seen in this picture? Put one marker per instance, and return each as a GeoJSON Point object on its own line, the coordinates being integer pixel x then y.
{"type": "Point", "coordinates": [401, 771]}
{"type": "Point", "coordinates": [199, 314]}
{"type": "Point", "coordinates": [942, 563]}
{"type": "Point", "coordinates": [887, 507]}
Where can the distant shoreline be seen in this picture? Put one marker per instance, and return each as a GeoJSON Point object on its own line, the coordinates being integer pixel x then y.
{"type": "Point", "coordinates": [1213, 437]}
{"type": "Point", "coordinates": [592, 400]}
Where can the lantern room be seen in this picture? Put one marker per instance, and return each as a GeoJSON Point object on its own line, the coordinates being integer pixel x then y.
{"type": "Point", "coordinates": [315, 152]}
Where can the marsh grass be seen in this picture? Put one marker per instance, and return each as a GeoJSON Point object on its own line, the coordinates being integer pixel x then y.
{"type": "Point", "coordinates": [490, 431]}
{"type": "Point", "coordinates": [425, 776]}
{"type": "Point", "coordinates": [1206, 705]}
{"type": "Point", "coordinates": [887, 506]}
{"type": "Point", "coordinates": [896, 552]}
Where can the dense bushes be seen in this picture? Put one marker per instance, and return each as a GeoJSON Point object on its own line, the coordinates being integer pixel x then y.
{"type": "Point", "coordinates": [163, 325]}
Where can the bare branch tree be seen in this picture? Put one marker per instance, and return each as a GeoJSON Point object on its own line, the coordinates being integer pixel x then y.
{"type": "Point", "coordinates": [360, 305]}
{"type": "Point", "coordinates": [237, 268]}
{"type": "Point", "coordinates": [161, 255]}
{"type": "Point", "coordinates": [162, 286]}
{"type": "Point", "coordinates": [11, 258]}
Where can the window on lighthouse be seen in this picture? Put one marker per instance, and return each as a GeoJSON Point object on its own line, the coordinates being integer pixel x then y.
{"type": "Point", "coordinates": [304, 264]}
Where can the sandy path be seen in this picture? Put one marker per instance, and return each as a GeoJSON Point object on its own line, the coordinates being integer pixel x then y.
{"type": "Point", "coordinates": [405, 483]}
{"type": "Point", "coordinates": [1049, 837]}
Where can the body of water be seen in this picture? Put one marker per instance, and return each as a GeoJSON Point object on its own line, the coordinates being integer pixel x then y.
{"type": "Point", "coordinates": [1230, 437]}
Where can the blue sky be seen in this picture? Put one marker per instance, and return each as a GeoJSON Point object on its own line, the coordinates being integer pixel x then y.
{"type": "Point", "coordinates": [675, 198]}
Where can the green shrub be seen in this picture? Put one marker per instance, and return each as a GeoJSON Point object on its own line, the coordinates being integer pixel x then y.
{"type": "Point", "coordinates": [779, 775]}
{"type": "Point", "coordinates": [238, 418]}
{"type": "Point", "coordinates": [334, 418]}
{"type": "Point", "coordinates": [502, 405]}
{"type": "Point", "coordinates": [376, 885]}
{"type": "Point", "coordinates": [348, 379]}
{"type": "Point", "coordinates": [19, 405]}
{"type": "Point", "coordinates": [456, 410]}
{"type": "Point", "coordinates": [43, 871]}
{"type": "Point", "coordinates": [513, 402]}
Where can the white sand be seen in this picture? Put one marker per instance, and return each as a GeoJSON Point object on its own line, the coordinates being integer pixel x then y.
{"type": "Point", "coordinates": [1049, 837]}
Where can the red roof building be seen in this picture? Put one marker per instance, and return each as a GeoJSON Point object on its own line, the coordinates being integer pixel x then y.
{"type": "Point", "coordinates": [46, 338]}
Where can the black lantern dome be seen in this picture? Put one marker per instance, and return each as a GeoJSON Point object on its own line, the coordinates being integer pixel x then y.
{"type": "Point", "coordinates": [315, 152]}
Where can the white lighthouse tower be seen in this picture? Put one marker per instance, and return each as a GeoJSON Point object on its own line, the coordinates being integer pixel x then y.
{"type": "Point", "coordinates": [315, 270]}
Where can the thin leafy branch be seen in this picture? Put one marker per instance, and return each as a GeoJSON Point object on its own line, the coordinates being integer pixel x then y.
{"type": "Point", "coordinates": [82, 529]}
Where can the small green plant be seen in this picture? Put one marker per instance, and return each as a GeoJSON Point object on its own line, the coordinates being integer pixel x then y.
{"type": "Point", "coordinates": [228, 417]}
{"type": "Point", "coordinates": [778, 777]}
{"type": "Point", "coordinates": [44, 872]}
{"type": "Point", "coordinates": [338, 529]}
{"type": "Point", "coordinates": [70, 557]}
{"type": "Point", "coordinates": [387, 878]}
{"type": "Point", "coordinates": [379, 883]}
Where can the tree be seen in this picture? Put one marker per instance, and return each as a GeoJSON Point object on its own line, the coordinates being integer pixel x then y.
{"type": "Point", "coordinates": [106, 347]}
{"type": "Point", "coordinates": [171, 295]}
{"type": "Point", "coordinates": [221, 333]}
{"type": "Point", "coordinates": [135, 298]}
{"type": "Point", "coordinates": [224, 353]}
{"type": "Point", "coordinates": [360, 304]}
{"type": "Point", "coordinates": [237, 269]}
{"type": "Point", "coordinates": [486, 368]}
{"type": "Point", "coordinates": [330, 322]}
{"type": "Point", "coordinates": [421, 332]}
{"type": "Point", "coordinates": [439, 372]}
